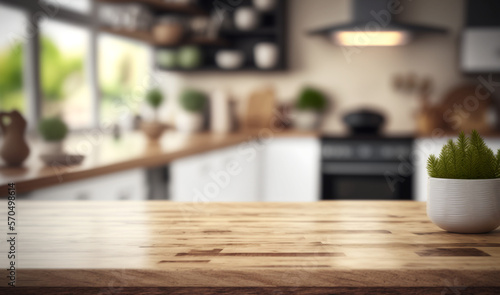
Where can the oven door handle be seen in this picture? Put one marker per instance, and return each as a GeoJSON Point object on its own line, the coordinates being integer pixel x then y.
{"type": "Point", "coordinates": [355, 168]}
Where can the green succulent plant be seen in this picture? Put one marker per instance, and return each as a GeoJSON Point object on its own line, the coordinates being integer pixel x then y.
{"type": "Point", "coordinates": [53, 129]}
{"type": "Point", "coordinates": [468, 158]}
{"type": "Point", "coordinates": [311, 99]}
{"type": "Point", "coordinates": [192, 100]}
{"type": "Point", "coordinates": [154, 97]}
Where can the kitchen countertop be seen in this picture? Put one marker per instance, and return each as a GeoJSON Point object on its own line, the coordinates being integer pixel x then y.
{"type": "Point", "coordinates": [106, 155]}
{"type": "Point", "coordinates": [329, 246]}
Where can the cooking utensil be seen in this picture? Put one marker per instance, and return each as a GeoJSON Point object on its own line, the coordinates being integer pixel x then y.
{"type": "Point", "coordinates": [364, 121]}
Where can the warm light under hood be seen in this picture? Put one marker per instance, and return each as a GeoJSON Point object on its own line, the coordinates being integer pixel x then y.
{"type": "Point", "coordinates": [383, 38]}
{"type": "Point", "coordinates": [373, 24]}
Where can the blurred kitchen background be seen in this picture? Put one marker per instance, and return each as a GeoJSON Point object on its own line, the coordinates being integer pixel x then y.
{"type": "Point", "coordinates": [240, 100]}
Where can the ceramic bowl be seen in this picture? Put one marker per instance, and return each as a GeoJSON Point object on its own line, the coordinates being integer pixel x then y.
{"type": "Point", "coordinates": [230, 59]}
{"type": "Point", "coordinates": [61, 159]}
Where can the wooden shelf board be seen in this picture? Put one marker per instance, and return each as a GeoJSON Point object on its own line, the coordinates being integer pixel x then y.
{"type": "Point", "coordinates": [148, 38]}
{"type": "Point", "coordinates": [163, 6]}
{"type": "Point", "coordinates": [245, 34]}
{"type": "Point", "coordinates": [136, 35]}
{"type": "Point", "coordinates": [216, 68]}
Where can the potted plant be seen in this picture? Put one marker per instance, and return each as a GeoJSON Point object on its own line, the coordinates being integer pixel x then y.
{"type": "Point", "coordinates": [193, 104]}
{"type": "Point", "coordinates": [310, 104]}
{"type": "Point", "coordinates": [53, 131]}
{"type": "Point", "coordinates": [154, 129]}
{"type": "Point", "coordinates": [464, 186]}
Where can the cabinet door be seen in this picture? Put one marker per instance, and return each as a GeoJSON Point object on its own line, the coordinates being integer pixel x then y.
{"type": "Point", "coordinates": [127, 185]}
{"type": "Point", "coordinates": [291, 169]}
{"type": "Point", "coordinates": [225, 175]}
{"type": "Point", "coordinates": [481, 50]}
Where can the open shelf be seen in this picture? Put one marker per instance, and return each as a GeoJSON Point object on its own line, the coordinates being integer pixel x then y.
{"type": "Point", "coordinates": [160, 5]}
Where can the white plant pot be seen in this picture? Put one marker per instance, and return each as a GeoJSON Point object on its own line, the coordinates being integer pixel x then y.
{"type": "Point", "coordinates": [464, 205]}
{"type": "Point", "coordinates": [51, 147]}
{"type": "Point", "coordinates": [188, 122]}
{"type": "Point", "coordinates": [266, 55]}
{"type": "Point", "coordinates": [306, 120]}
{"type": "Point", "coordinates": [246, 18]}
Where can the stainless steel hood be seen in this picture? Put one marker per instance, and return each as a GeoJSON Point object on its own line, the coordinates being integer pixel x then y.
{"type": "Point", "coordinates": [373, 24]}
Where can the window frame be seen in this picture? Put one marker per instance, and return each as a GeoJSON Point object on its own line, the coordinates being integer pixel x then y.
{"type": "Point", "coordinates": [35, 11]}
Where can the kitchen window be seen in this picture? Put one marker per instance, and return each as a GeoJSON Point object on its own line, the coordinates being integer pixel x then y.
{"type": "Point", "coordinates": [65, 67]}
{"type": "Point", "coordinates": [12, 49]}
{"type": "Point", "coordinates": [65, 77]}
{"type": "Point", "coordinates": [123, 76]}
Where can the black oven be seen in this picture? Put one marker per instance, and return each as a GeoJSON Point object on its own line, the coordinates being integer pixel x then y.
{"type": "Point", "coordinates": [366, 168]}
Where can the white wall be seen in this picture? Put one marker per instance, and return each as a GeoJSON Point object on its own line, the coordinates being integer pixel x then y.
{"type": "Point", "coordinates": [367, 79]}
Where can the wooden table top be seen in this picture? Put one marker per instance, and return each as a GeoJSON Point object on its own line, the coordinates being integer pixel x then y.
{"type": "Point", "coordinates": [104, 154]}
{"type": "Point", "coordinates": [323, 244]}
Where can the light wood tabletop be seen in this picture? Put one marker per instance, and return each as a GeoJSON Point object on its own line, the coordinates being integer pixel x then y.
{"type": "Point", "coordinates": [215, 247]}
{"type": "Point", "coordinates": [104, 155]}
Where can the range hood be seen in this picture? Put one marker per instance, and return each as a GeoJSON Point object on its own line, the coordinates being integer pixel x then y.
{"type": "Point", "coordinates": [373, 24]}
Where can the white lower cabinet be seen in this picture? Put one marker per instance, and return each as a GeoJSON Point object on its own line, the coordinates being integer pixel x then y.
{"type": "Point", "coordinates": [224, 175]}
{"type": "Point", "coordinates": [128, 185]}
{"type": "Point", "coordinates": [423, 148]}
{"type": "Point", "coordinates": [277, 170]}
{"type": "Point", "coordinates": [291, 170]}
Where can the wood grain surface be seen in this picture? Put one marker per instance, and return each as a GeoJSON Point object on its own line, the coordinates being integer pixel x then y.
{"type": "Point", "coordinates": [334, 244]}
{"type": "Point", "coordinates": [104, 154]}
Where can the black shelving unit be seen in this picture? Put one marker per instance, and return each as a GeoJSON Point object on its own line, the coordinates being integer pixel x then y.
{"type": "Point", "coordinates": [272, 29]}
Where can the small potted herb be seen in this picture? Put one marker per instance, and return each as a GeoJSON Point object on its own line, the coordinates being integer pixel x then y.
{"type": "Point", "coordinates": [53, 131]}
{"type": "Point", "coordinates": [154, 129]}
{"type": "Point", "coordinates": [464, 186]}
{"type": "Point", "coordinates": [310, 104]}
{"type": "Point", "coordinates": [193, 104]}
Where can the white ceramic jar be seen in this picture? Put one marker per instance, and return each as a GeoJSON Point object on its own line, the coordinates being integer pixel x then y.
{"type": "Point", "coordinates": [264, 5]}
{"type": "Point", "coordinates": [464, 205]}
{"type": "Point", "coordinates": [246, 18]}
{"type": "Point", "coordinates": [189, 122]}
{"type": "Point", "coordinates": [266, 55]}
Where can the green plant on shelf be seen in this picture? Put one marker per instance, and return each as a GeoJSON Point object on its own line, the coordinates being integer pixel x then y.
{"type": "Point", "coordinates": [193, 101]}
{"type": "Point", "coordinates": [311, 99]}
{"type": "Point", "coordinates": [53, 129]}
{"type": "Point", "coordinates": [154, 97]}
{"type": "Point", "coordinates": [467, 158]}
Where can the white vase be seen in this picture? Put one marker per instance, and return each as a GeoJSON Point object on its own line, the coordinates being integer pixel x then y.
{"type": "Point", "coordinates": [306, 120]}
{"type": "Point", "coordinates": [266, 55]}
{"type": "Point", "coordinates": [264, 5]}
{"type": "Point", "coordinates": [246, 18]}
{"type": "Point", "coordinates": [189, 122]}
{"type": "Point", "coordinates": [464, 205]}
{"type": "Point", "coordinates": [220, 113]}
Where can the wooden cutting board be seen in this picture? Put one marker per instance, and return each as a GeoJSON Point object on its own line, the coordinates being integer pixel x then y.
{"type": "Point", "coordinates": [259, 109]}
{"type": "Point", "coordinates": [462, 110]}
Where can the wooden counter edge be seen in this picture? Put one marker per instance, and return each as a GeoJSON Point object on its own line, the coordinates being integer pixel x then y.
{"type": "Point", "coordinates": [28, 185]}
{"type": "Point", "coordinates": [256, 290]}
